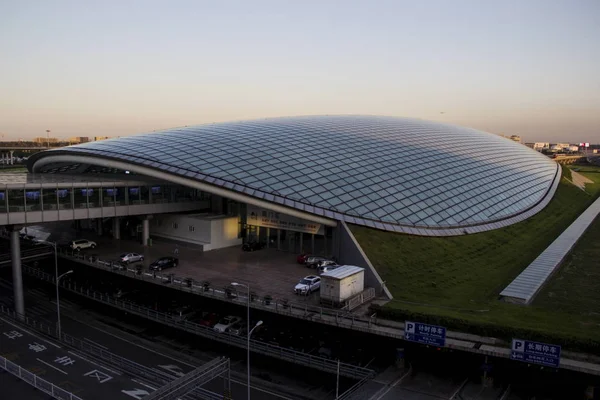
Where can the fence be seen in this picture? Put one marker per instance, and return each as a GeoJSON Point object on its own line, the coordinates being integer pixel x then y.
{"type": "Point", "coordinates": [340, 318]}
{"type": "Point", "coordinates": [320, 363]}
{"type": "Point", "coordinates": [36, 381]}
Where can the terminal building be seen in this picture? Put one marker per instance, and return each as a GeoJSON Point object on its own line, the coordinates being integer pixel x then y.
{"type": "Point", "coordinates": [291, 183]}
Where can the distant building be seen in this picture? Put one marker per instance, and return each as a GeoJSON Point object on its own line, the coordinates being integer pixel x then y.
{"type": "Point", "coordinates": [44, 140]}
{"type": "Point", "coordinates": [541, 146]}
{"type": "Point", "coordinates": [515, 138]}
{"type": "Point", "coordinates": [79, 139]}
{"type": "Point", "coordinates": [96, 138]}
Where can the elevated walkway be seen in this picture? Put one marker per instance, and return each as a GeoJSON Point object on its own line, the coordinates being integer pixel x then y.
{"type": "Point", "coordinates": [525, 287]}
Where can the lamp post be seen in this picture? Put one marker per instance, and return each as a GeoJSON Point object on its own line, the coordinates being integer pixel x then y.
{"type": "Point", "coordinates": [58, 301]}
{"type": "Point", "coordinates": [248, 331]}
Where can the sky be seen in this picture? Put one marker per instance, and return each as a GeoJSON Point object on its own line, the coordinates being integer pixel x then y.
{"type": "Point", "coordinates": [115, 68]}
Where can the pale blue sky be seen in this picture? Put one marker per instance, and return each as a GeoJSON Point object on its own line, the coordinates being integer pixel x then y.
{"type": "Point", "coordinates": [94, 68]}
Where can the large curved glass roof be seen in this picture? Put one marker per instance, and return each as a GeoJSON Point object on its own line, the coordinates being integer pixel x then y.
{"type": "Point", "coordinates": [375, 171]}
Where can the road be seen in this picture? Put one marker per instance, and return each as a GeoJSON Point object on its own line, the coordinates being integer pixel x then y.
{"type": "Point", "coordinates": [64, 368]}
{"type": "Point", "coordinates": [41, 307]}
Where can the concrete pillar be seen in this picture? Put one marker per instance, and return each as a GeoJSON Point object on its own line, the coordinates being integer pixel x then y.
{"type": "Point", "coordinates": [278, 239]}
{"type": "Point", "coordinates": [325, 248]}
{"type": "Point", "coordinates": [334, 243]}
{"type": "Point", "coordinates": [268, 237]}
{"type": "Point", "coordinates": [12, 159]}
{"type": "Point", "coordinates": [145, 230]}
{"type": "Point", "coordinates": [312, 243]}
{"type": "Point", "coordinates": [301, 245]}
{"type": "Point", "coordinates": [99, 226]}
{"type": "Point", "coordinates": [15, 255]}
{"type": "Point", "coordinates": [116, 228]}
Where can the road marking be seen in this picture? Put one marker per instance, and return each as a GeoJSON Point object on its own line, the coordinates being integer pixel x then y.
{"type": "Point", "coordinates": [143, 384]}
{"type": "Point", "coordinates": [96, 364]}
{"type": "Point", "coordinates": [96, 344]}
{"type": "Point", "coordinates": [30, 333]}
{"type": "Point", "coordinates": [52, 366]}
{"type": "Point", "coordinates": [242, 383]}
{"type": "Point", "coordinates": [145, 348]}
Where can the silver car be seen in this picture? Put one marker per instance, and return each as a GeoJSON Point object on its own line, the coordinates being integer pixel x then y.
{"type": "Point", "coordinates": [127, 258]}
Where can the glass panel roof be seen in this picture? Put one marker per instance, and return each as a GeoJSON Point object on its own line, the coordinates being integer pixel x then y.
{"type": "Point", "coordinates": [396, 170]}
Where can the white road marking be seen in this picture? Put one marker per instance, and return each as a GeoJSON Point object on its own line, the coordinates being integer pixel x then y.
{"type": "Point", "coordinates": [92, 362]}
{"type": "Point", "coordinates": [145, 348]}
{"type": "Point", "coordinates": [143, 384]}
{"type": "Point", "coordinates": [52, 366]}
{"type": "Point", "coordinates": [242, 383]}
{"type": "Point", "coordinates": [94, 343]}
{"type": "Point", "coordinates": [30, 333]}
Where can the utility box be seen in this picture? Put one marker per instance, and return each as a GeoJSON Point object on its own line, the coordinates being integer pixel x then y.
{"type": "Point", "coordinates": [341, 284]}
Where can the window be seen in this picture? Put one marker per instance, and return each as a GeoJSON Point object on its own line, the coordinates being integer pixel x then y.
{"type": "Point", "coordinates": [175, 226]}
{"type": "Point", "coordinates": [192, 228]}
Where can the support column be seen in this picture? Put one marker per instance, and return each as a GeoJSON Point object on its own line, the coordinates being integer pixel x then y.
{"type": "Point", "coordinates": [12, 159]}
{"type": "Point", "coordinates": [278, 239]}
{"type": "Point", "coordinates": [146, 230]}
{"type": "Point", "coordinates": [15, 255]}
{"type": "Point", "coordinates": [312, 243]}
{"type": "Point", "coordinates": [116, 228]}
{"type": "Point", "coordinates": [334, 243]}
{"type": "Point", "coordinates": [268, 237]}
{"type": "Point", "coordinates": [301, 245]}
{"type": "Point", "coordinates": [99, 226]}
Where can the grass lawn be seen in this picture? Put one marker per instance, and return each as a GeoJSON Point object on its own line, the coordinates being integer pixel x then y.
{"type": "Point", "coordinates": [460, 278]}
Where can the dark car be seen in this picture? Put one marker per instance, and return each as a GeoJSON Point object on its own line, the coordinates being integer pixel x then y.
{"type": "Point", "coordinates": [313, 261]}
{"type": "Point", "coordinates": [253, 246]}
{"type": "Point", "coordinates": [163, 263]}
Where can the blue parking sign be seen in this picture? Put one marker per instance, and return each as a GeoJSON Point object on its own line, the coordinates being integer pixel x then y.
{"type": "Point", "coordinates": [535, 353]}
{"type": "Point", "coordinates": [425, 334]}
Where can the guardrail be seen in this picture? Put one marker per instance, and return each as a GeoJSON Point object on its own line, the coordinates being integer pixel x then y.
{"type": "Point", "coordinates": [28, 254]}
{"type": "Point", "coordinates": [35, 381]}
{"type": "Point", "coordinates": [143, 372]}
{"type": "Point", "coordinates": [320, 363]}
{"type": "Point", "coordinates": [335, 317]}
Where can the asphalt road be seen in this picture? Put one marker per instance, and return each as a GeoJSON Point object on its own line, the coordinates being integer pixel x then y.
{"type": "Point", "coordinates": [14, 388]}
{"type": "Point", "coordinates": [40, 307]}
{"type": "Point", "coordinates": [64, 368]}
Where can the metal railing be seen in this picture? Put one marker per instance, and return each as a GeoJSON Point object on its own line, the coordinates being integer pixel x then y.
{"type": "Point", "coordinates": [335, 317]}
{"type": "Point", "coordinates": [35, 381]}
{"type": "Point", "coordinates": [297, 357]}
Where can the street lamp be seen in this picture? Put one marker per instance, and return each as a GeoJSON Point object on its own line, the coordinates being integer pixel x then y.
{"type": "Point", "coordinates": [248, 331]}
{"type": "Point", "coordinates": [58, 301]}
{"type": "Point", "coordinates": [53, 244]}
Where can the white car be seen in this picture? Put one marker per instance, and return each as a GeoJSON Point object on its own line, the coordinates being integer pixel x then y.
{"type": "Point", "coordinates": [130, 257]}
{"type": "Point", "coordinates": [225, 323]}
{"type": "Point", "coordinates": [82, 244]}
{"type": "Point", "coordinates": [308, 284]}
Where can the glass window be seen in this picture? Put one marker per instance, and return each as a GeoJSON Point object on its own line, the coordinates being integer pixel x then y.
{"type": "Point", "coordinates": [2, 201]}
{"type": "Point", "coordinates": [16, 200]}
{"type": "Point", "coordinates": [134, 195]}
{"type": "Point", "coordinates": [109, 196]}
{"type": "Point", "coordinates": [64, 198]}
{"type": "Point", "coordinates": [49, 199]}
{"type": "Point", "coordinates": [33, 199]}
{"type": "Point", "coordinates": [80, 196]}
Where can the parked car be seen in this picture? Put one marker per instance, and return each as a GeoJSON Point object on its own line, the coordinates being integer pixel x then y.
{"type": "Point", "coordinates": [82, 244]}
{"type": "Point", "coordinates": [301, 258]}
{"type": "Point", "coordinates": [308, 284]}
{"type": "Point", "coordinates": [327, 267]}
{"type": "Point", "coordinates": [239, 328]}
{"type": "Point", "coordinates": [163, 263]}
{"type": "Point", "coordinates": [183, 312]}
{"type": "Point", "coordinates": [127, 258]}
{"type": "Point", "coordinates": [313, 261]}
{"type": "Point", "coordinates": [253, 246]}
{"type": "Point", "coordinates": [209, 319]}
{"type": "Point", "coordinates": [226, 322]}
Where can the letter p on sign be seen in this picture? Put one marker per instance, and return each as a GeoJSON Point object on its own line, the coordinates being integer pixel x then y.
{"type": "Point", "coordinates": [518, 345]}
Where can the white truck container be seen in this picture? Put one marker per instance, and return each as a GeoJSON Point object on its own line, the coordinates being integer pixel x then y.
{"type": "Point", "coordinates": [342, 283]}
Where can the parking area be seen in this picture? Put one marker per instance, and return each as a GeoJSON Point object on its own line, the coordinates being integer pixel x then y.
{"type": "Point", "coordinates": [267, 271]}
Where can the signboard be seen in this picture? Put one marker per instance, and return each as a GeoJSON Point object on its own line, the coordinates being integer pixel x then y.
{"type": "Point", "coordinates": [425, 334]}
{"type": "Point", "coordinates": [584, 144]}
{"type": "Point", "coordinates": [535, 353]}
{"type": "Point", "coordinates": [269, 219]}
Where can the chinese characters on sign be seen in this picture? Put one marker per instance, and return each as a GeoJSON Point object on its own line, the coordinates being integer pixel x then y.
{"type": "Point", "coordinates": [64, 360]}
{"type": "Point", "coordinates": [425, 334]}
{"type": "Point", "coordinates": [535, 353]}
{"type": "Point", "coordinates": [269, 219]}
